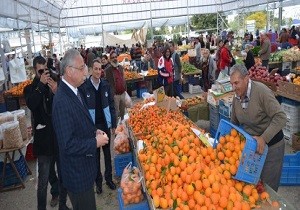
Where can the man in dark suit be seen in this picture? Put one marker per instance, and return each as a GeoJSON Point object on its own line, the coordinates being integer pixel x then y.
{"type": "Point", "coordinates": [100, 101]}
{"type": "Point", "coordinates": [39, 98]}
{"type": "Point", "coordinates": [77, 136]}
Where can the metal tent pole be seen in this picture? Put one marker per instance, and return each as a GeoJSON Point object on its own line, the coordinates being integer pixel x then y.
{"type": "Point", "coordinates": [151, 22]}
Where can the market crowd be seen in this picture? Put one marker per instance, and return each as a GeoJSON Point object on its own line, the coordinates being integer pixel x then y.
{"type": "Point", "coordinates": [76, 102]}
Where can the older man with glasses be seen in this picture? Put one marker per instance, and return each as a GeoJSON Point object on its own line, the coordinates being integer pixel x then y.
{"type": "Point", "coordinates": [77, 136]}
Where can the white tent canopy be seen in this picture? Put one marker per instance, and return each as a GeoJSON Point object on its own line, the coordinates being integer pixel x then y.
{"type": "Point", "coordinates": [114, 15]}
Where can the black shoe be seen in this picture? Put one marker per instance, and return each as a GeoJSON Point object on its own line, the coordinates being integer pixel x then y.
{"type": "Point", "coordinates": [64, 207]}
{"type": "Point", "coordinates": [54, 201]}
{"type": "Point", "coordinates": [98, 189]}
{"type": "Point", "coordinates": [111, 185]}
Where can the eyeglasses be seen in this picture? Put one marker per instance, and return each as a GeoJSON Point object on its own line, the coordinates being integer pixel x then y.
{"type": "Point", "coordinates": [80, 68]}
{"type": "Point", "coordinates": [112, 57]}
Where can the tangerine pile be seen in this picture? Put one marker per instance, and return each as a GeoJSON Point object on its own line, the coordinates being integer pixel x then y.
{"type": "Point", "coordinates": [181, 173]}
{"type": "Point", "coordinates": [18, 89]}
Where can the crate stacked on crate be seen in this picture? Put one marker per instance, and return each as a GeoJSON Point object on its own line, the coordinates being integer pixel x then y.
{"type": "Point", "coordinates": [194, 84]}
{"type": "Point", "coordinates": [214, 119]}
{"type": "Point", "coordinates": [292, 110]}
{"type": "Point", "coordinates": [290, 174]}
{"type": "Point", "coordinates": [225, 107]}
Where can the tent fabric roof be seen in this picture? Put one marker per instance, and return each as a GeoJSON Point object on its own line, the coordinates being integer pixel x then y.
{"type": "Point", "coordinates": [87, 16]}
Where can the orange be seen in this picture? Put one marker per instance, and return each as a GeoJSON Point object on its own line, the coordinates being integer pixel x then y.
{"type": "Point", "coordinates": [190, 189]}
{"type": "Point", "coordinates": [233, 132]}
{"type": "Point", "coordinates": [156, 201]}
{"type": "Point", "coordinates": [264, 195]}
{"type": "Point", "coordinates": [223, 202]}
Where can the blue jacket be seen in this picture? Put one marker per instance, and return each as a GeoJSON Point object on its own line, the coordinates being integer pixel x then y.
{"type": "Point", "coordinates": [107, 101]}
{"type": "Point", "coordinates": [76, 136]}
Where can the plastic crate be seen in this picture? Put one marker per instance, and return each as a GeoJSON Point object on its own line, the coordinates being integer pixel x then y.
{"type": "Point", "coordinates": [121, 161]}
{"type": "Point", "coordinates": [194, 89]}
{"type": "Point", "coordinates": [2, 107]}
{"type": "Point", "coordinates": [224, 108]}
{"type": "Point", "coordinates": [194, 80]}
{"type": "Point", "coordinates": [224, 118]}
{"type": "Point", "coordinates": [10, 176]}
{"type": "Point", "coordinates": [291, 111]}
{"type": "Point", "coordinates": [291, 159]}
{"type": "Point", "coordinates": [290, 101]}
{"type": "Point", "coordinates": [214, 116]}
{"type": "Point", "coordinates": [12, 103]}
{"type": "Point", "coordinates": [140, 91]}
{"type": "Point", "coordinates": [143, 205]}
{"type": "Point", "coordinates": [290, 174]}
{"type": "Point", "coordinates": [251, 163]}
{"type": "Point", "coordinates": [212, 132]}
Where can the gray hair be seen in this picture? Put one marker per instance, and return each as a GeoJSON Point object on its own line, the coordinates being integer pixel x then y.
{"type": "Point", "coordinates": [68, 59]}
{"type": "Point", "coordinates": [241, 68]}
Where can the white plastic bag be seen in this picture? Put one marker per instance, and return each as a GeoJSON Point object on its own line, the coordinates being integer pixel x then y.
{"type": "Point", "coordinates": [128, 101]}
{"type": "Point", "coordinates": [17, 70]}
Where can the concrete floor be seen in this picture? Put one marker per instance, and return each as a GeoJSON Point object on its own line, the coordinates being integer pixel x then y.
{"type": "Point", "coordinates": [25, 199]}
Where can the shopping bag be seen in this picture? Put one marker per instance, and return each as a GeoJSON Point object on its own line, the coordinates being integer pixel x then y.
{"type": "Point", "coordinates": [17, 70]}
{"type": "Point", "coordinates": [128, 101]}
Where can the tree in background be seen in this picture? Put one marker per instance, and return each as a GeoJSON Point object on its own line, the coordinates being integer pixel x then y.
{"type": "Point", "coordinates": [204, 21]}
{"type": "Point", "coordinates": [260, 19]}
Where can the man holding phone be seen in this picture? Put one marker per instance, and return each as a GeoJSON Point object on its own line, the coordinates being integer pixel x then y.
{"type": "Point", "coordinates": [39, 97]}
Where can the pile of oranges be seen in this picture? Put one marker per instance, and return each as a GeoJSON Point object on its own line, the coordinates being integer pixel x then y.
{"type": "Point", "coordinates": [18, 89]}
{"type": "Point", "coordinates": [181, 173]}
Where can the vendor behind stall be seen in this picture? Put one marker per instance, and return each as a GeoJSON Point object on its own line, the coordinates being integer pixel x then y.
{"type": "Point", "coordinates": [256, 109]}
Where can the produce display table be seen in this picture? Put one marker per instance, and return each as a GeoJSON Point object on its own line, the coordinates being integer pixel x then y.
{"type": "Point", "coordinates": [10, 156]}
{"type": "Point", "coordinates": [292, 97]}
{"type": "Point", "coordinates": [134, 80]}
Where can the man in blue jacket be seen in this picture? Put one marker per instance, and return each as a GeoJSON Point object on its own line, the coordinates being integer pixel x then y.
{"type": "Point", "coordinates": [100, 101]}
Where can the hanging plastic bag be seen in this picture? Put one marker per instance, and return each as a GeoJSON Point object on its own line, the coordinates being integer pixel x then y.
{"type": "Point", "coordinates": [131, 185]}
{"type": "Point", "coordinates": [128, 101]}
{"type": "Point", "coordinates": [121, 144]}
{"type": "Point", "coordinates": [17, 70]}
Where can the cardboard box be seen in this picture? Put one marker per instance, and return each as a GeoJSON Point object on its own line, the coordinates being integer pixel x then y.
{"type": "Point", "coordinates": [296, 141]}
{"type": "Point", "coordinates": [213, 99]}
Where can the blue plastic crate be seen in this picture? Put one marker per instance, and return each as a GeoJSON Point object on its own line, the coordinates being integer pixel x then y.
{"type": "Point", "coordinates": [212, 132]}
{"type": "Point", "coordinates": [143, 205]}
{"type": "Point", "coordinates": [10, 176]}
{"type": "Point", "coordinates": [290, 101]}
{"type": "Point", "coordinates": [291, 159]}
{"type": "Point", "coordinates": [121, 161]}
{"type": "Point", "coordinates": [214, 117]}
{"type": "Point", "coordinates": [2, 107]}
{"type": "Point", "coordinates": [194, 80]}
{"type": "Point", "coordinates": [224, 118]}
{"type": "Point", "coordinates": [290, 174]}
{"type": "Point", "coordinates": [224, 109]}
{"type": "Point", "coordinates": [140, 91]}
{"type": "Point", "coordinates": [251, 163]}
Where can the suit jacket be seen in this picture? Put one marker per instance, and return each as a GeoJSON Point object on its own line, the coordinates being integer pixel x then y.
{"type": "Point", "coordinates": [75, 133]}
{"type": "Point", "coordinates": [39, 100]}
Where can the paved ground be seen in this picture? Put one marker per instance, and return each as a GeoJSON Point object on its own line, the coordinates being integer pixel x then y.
{"type": "Point", "coordinates": [25, 199]}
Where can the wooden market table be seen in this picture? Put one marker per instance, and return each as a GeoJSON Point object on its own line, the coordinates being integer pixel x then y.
{"type": "Point", "coordinates": [10, 156]}
{"type": "Point", "coordinates": [292, 97]}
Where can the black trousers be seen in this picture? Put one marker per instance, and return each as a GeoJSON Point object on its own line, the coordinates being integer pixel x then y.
{"type": "Point", "coordinates": [107, 161]}
{"type": "Point", "coordinates": [84, 200]}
